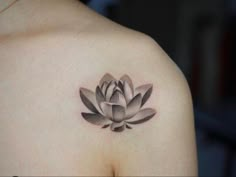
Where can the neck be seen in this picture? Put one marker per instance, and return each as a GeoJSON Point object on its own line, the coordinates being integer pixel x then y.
{"type": "Point", "coordinates": [29, 15]}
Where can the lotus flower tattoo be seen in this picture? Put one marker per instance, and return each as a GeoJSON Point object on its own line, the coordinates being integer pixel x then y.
{"type": "Point", "coordinates": [116, 104]}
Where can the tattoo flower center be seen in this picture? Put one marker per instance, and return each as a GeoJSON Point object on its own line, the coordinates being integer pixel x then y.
{"type": "Point", "coordinates": [116, 104]}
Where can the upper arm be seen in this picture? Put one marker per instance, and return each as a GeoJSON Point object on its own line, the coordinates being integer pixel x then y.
{"type": "Point", "coordinates": [164, 145]}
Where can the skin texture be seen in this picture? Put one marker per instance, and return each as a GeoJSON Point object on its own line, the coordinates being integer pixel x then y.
{"type": "Point", "coordinates": [50, 49]}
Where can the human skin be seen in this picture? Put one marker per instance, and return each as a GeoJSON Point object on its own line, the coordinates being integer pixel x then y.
{"type": "Point", "coordinates": [49, 50]}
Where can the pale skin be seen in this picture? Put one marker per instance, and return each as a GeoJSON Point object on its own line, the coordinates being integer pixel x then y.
{"type": "Point", "coordinates": [49, 50]}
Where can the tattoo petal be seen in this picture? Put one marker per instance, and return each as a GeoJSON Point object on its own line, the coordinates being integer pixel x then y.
{"type": "Point", "coordinates": [142, 116]}
{"type": "Point", "coordinates": [110, 89]}
{"type": "Point", "coordinates": [89, 100]}
{"type": "Point", "coordinates": [104, 87]}
{"type": "Point", "coordinates": [146, 91]}
{"type": "Point", "coordinates": [96, 119]}
{"type": "Point", "coordinates": [106, 78]}
{"type": "Point", "coordinates": [99, 96]}
{"type": "Point", "coordinates": [128, 92]}
{"type": "Point", "coordinates": [128, 126]}
{"type": "Point", "coordinates": [118, 113]}
{"type": "Point", "coordinates": [128, 80]}
{"type": "Point", "coordinates": [117, 127]}
{"type": "Point", "coordinates": [118, 98]}
{"type": "Point", "coordinates": [106, 125]}
{"type": "Point", "coordinates": [107, 109]}
{"type": "Point", "coordinates": [121, 85]}
{"type": "Point", "coordinates": [133, 106]}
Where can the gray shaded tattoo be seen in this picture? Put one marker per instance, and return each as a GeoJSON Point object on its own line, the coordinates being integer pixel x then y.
{"type": "Point", "coordinates": [116, 104]}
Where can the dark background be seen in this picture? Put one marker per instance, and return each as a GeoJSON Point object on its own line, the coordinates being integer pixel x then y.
{"type": "Point", "coordinates": [199, 35]}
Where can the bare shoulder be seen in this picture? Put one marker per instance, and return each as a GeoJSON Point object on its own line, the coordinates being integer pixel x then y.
{"type": "Point", "coordinates": [156, 136]}
{"type": "Point", "coordinates": [165, 144]}
{"type": "Point", "coordinates": [144, 102]}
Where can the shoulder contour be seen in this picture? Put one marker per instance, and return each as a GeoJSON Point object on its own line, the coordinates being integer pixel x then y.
{"type": "Point", "coordinates": [166, 145]}
{"type": "Point", "coordinates": [156, 63]}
